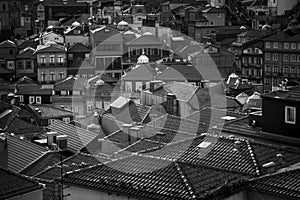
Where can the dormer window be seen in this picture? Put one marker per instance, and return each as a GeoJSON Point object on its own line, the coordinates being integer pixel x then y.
{"type": "Point", "coordinates": [290, 115]}
{"type": "Point", "coordinates": [77, 32]}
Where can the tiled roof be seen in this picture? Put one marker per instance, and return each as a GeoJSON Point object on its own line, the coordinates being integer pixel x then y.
{"type": "Point", "coordinates": [33, 89]}
{"type": "Point", "coordinates": [12, 184]}
{"type": "Point", "coordinates": [151, 178]}
{"type": "Point", "coordinates": [70, 83]}
{"type": "Point", "coordinates": [61, 3]}
{"type": "Point", "coordinates": [179, 73]}
{"type": "Point", "coordinates": [292, 94]}
{"type": "Point", "coordinates": [183, 91]}
{"type": "Point", "coordinates": [26, 53]}
{"type": "Point", "coordinates": [145, 39]}
{"type": "Point", "coordinates": [21, 127]}
{"type": "Point", "coordinates": [295, 38]}
{"type": "Point", "coordinates": [140, 72]}
{"type": "Point", "coordinates": [25, 80]}
{"type": "Point", "coordinates": [280, 36]}
{"type": "Point", "coordinates": [19, 153]}
{"type": "Point", "coordinates": [28, 43]}
{"type": "Point", "coordinates": [7, 44]}
{"type": "Point", "coordinates": [56, 48]}
{"type": "Point", "coordinates": [89, 119]}
{"type": "Point", "coordinates": [5, 71]}
{"type": "Point", "coordinates": [132, 112]}
{"type": "Point", "coordinates": [213, 116]}
{"type": "Point", "coordinates": [104, 77]}
{"type": "Point", "coordinates": [285, 183]}
{"type": "Point", "coordinates": [78, 47]}
{"type": "Point", "coordinates": [216, 152]}
{"type": "Point", "coordinates": [48, 159]}
{"type": "Point", "coordinates": [255, 33]}
{"type": "Point", "coordinates": [5, 85]}
{"type": "Point", "coordinates": [8, 113]}
{"type": "Point", "coordinates": [83, 18]}
{"type": "Point", "coordinates": [78, 138]}
{"type": "Point", "coordinates": [50, 111]}
{"type": "Point", "coordinates": [75, 162]}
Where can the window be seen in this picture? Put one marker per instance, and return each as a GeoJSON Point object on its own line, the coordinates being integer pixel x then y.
{"type": "Point", "coordinates": [60, 59]}
{"type": "Point", "coordinates": [52, 59]}
{"type": "Point", "coordinates": [60, 75]}
{"type": "Point", "coordinates": [26, 7]}
{"type": "Point", "coordinates": [21, 97]}
{"type": "Point", "coordinates": [4, 7]}
{"type": "Point", "coordinates": [290, 115]}
{"type": "Point", "coordinates": [275, 45]}
{"type": "Point", "coordinates": [286, 45]}
{"type": "Point", "coordinates": [293, 46]}
{"type": "Point", "coordinates": [299, 46]}
{"type": "Point", "coordinates": [63, 92]}
{"type": "Point", "coordinates": [268, 69]}
{"type": "Point", "coordinates": [66, 120]}
{"type": "Point", "coordinates": [38, 100]}
{"type": "Point", "coordinates": [293, 58]}
{"type": "Point", "coordinates": [219, 15]}
{"type": "Point", "coordinates": [138, 86]}
{"type": "Point", "coordinates": [20, 65]}
{"type": "Point", "coordinates": [286, 57]}
{"type": "Point", "coordinates": [90, 105]}
{"type": "Point", "coordinates": [28, 65]}
{"type": "Point", "coordinates": [275, 69]}
{"type": "Point", "coordinates": [286, 70]}
{"type": "Point", "coordinates": [87, 55]}
{"type": "Point", "coordinates": [43, 59]}
{"type": "Point", "coordinates": [43, 76]}
{"type": "Point", "coordinates": [268, 45]}
{"type": "Point", "coordinates": [293, 70]}
{"type": "Point", "coordinates": [56, 38]}
{"type": "Point", "coordinates": [99, 104]}
{"type": "Point", "coordinates": [84, 76]}
{"type": "Point", "coordinates": [298, 58]}
{"type": "Point", "coordinates": [31, 99]}
{"type": "Point", "coordinates": [268, 56]}
{"type": "Point", "coordinates": [267, 81]}
{"type": "Point", "coordinates": [128, 87]}
{"type": "Point", "coordinates": [275, 56]}
{"type": "Point", "coordinates": [52, 76]}
{"type": "Point", "coordinates": [70, 56]}
{"type": "Point", "coordinates": [212, 23]}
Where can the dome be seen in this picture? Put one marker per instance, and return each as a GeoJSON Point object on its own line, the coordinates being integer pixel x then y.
{"type": "Point", "coordinates": [143, 59]}
{"type": "Point", "coordinates": [76, 23]}
{"type": "Point", "coordinates": [122, 23]}
{"type": "Point", "coordinates": [243, 28]}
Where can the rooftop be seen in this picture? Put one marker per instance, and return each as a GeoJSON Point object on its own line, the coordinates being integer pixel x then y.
{"type": "Point", "coordinates": [292, 94]}
{"type": "Point", "coordinates": [50, 111]}
{"type": "Point", "coordinates": [19, 153]}
{"type": "Point", "coordinates": [152, 178]}
{"type": "Point", "coordinates": [12, 184]}
{"type": "Point", "coordinates": [78, 138]}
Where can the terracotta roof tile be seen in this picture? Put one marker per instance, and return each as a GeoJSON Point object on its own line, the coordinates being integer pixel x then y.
{"type": "Point", "coordinates": [78, 138]}
{"type": "Point", "coordinates": [50, 112]}
{"type": "Point", "coordinates": [13, 185]}
{"type": "Point", "coordinates": [20, 153]}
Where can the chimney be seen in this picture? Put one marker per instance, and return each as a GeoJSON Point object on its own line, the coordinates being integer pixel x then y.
{"type": "Point", "coordinates": [107, 146]}
{"type": "Point", "coordinates": [96, 118]}
{"type": "Point", "coordinates": [134, 133]}
{"type": "Point", "coordinates": [171, 106]}
{"type": "Point", "coordinates": [141, 131]}
{"type": "Point", "coordinates": [51, 138]}
{"type": "Point", "coordinates": [3, 141]}
{"type": "Point", "coordinates": [62, 141]}
{"type": "Point", "coordinates": [237, 145]}
{"type": "Point", "coordinates": [280, 159]}
{"type": "Point", "coordinates": [126, 129]}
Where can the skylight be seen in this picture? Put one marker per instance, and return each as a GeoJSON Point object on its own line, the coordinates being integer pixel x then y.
{"type": "Point", "coordinates": [228, 118]}
{"type": "Point", "coordinates": [204, 145]}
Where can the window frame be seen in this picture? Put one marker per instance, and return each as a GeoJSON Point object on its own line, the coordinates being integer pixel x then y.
{"type": "Point", "coordinates": [287, 121]}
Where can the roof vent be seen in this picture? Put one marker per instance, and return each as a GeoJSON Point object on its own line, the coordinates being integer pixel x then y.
{"type": "Point", "coordinates": [280, 159]}
{"type": "Point", "coordinates": [269, 167]}
{"type": "Point", "coordinates": [237, 145]}
{"type": "Point", "coordinates": [204, 145]}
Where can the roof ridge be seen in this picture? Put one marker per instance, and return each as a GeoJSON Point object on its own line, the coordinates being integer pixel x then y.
{"type": "Point", "coordinates": [253, 158]}
{"type": "Point", "coordinates": [185, 180]}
